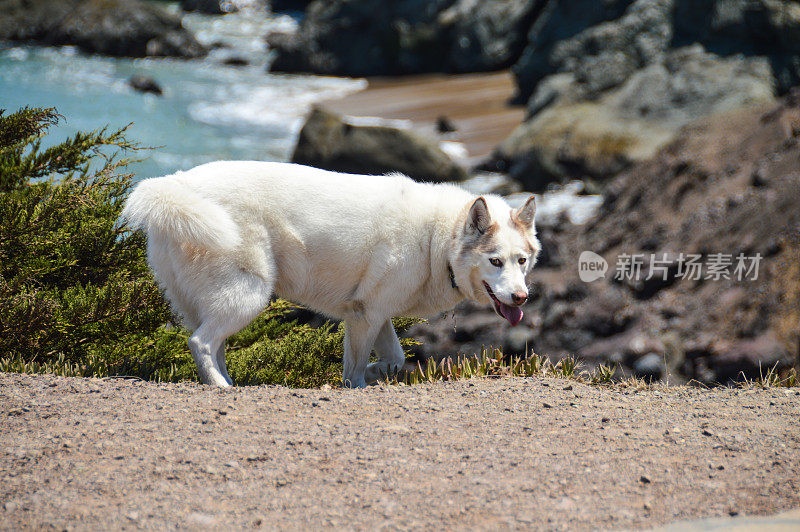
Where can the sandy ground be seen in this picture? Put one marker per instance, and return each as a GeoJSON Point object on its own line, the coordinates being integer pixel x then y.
{"type": "Point", "coordinates": [84, 454]}
{"type": "Point", "coordinates": [476, 104]}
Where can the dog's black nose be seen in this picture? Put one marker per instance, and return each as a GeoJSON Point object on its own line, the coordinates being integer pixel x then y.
{"type": "Point", "coordinates": [519, 297]}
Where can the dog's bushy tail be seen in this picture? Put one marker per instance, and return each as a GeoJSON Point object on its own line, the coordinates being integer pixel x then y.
{"type": "Point", "coordinates": [166, 209]}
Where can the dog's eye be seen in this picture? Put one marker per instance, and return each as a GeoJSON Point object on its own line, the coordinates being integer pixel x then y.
{"type": "Point", "coordinates": [522, 260]}
{"type": "Point", "coordinates": [496, 262]}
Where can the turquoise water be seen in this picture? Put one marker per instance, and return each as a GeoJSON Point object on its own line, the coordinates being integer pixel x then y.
{"type": "Point", "coordinates": [209, 111]}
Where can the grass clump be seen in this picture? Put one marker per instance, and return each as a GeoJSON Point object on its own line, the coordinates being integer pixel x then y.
{"type": "Point", "coordinates": [492, 363]}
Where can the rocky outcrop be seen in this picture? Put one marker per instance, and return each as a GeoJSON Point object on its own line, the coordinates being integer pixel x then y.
{"type": "Point", "coordinates": [608, 83]}
{"type": "Point", "coordinates": [728, 187]}
{"type": "Point", "coordinates": [327, 141]}
{"type": "Point", "coordinates": [580, 129]}
{"type": "Point", "coordinates": [128, 28]}
{"type": "Point", "coordinates": [603, 43]}
{"type": "Point", "coordinates": [372, 37]}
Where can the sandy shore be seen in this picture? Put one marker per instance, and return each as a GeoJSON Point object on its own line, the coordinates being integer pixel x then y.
{"type": "Point", "coordinates": [476, 104]}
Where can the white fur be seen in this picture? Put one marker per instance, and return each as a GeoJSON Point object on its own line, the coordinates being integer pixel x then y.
{"type": "Point", "coordinates": [224, 236]}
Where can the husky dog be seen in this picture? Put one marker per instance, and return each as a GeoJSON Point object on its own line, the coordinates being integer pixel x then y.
{"type": "Point", "coordinates": [224, 237]}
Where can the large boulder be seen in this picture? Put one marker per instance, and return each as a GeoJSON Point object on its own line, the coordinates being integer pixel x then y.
{"type": "Point", "coordinates": [583, 133]}
{"type": "Point", "coordinates": [768, 28]}
{"type": "Point", "coordinates": [372, 37]}
{"type": "Point", "coordinates": [327, 141]}
{"type": "Point", "coordinates": [128, 28]}
{"type": "Point", "coordinates": [485, 35]}
{"type": "Point", "coordinates": [560, 21]}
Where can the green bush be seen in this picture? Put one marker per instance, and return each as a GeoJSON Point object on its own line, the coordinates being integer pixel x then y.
{"type": "Point", "coordinates": [76, 295]}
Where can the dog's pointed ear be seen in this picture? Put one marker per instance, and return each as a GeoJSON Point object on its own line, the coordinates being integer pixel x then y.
{"type": "Point", "coordinates": [527, 212]}
{"type": "Point", "coordinates": [478, 218]}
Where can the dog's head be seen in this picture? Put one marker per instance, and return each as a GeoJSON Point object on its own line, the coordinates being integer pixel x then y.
{"type": "Point", "coordinates": [495, 254]}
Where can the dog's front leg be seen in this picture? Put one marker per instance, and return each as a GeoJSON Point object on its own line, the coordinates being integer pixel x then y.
{"type": "Point", "coordinates": [359, 337]}
{"type": "Point", "coordinates": [390, 354]}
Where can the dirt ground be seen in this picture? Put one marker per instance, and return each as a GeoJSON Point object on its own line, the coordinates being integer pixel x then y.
{"type": "Point", "coordinates": [539, 453]}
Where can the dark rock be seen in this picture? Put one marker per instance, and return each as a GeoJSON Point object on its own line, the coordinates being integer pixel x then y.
{"type": "Point", "coordinates": [235, 61]}
{"type": "Point", "coordinates": [327, 141]}
{"type": "Point", "coordinates": [128, 28]}
{"type": "Point", "coordinates": [768, 28]}
{"type": "Point", "coordinates": [371, 37]}
{"type": "Point", "coordinates": [145, 84]}
{"type": "Point", "coordinates": [362, 38]}
{"type": "Point", "coordinates": [280, 6]}
{"type": "Point", "coordinates": [483, 36]}
{"type": "Point", "coordinates": [559, 21]}
{"type": "Point", "coordinates": [649, 367]}
{"type": "Point", "coordinates": [756, 356]}
{"type": "Point", "coordinates": [210, 7]}
{"type": "Point", "coordinates": [444, 125]}
{"type": "Point", "coordinates": [605, 315]}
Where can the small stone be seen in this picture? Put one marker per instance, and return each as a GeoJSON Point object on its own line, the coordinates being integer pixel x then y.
{"type": "Point", "coordinates": [236, 61]}
{"type": "Point", "coordinates": [547, 405]}
{"type": "Point", "coordinates": [444, 125]}
{"type": "Point", "coordinates": [145, 84]}
{"type": "Point", "coordinates": [201, 520]}
{"type": "Point", "coordinates": [706, 433]}
{"type": "Point", "coordinates": [644, 480]}
{"type": "Point", "coordinates": [605, 420]}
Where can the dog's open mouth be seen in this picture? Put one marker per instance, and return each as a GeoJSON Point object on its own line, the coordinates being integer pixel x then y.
{"type": "Point", "coordinates": [512, 314]}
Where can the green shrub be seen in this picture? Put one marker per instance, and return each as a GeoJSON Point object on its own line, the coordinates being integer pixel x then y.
{"type": "Point", "coordinates": [76, 295]}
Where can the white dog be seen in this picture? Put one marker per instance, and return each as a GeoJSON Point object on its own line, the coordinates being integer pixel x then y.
{"type": "Point", "coordinates": [225, 236]}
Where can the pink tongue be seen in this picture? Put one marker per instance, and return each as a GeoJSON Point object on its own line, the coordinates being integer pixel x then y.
{"type": "Point", "coordinates": [512, 314]}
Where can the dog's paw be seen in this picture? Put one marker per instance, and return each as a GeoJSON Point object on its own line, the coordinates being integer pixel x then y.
{"type": "Point", "coordinates": [354, 383]}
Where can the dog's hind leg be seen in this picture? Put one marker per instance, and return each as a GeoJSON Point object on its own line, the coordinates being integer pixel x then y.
{"type": "Point", "coordinates": [236, 299]}
{"type": "Point", "coordinates": [222, 364]}
{"type": "Point", "coordinates": [390, 354]}
{"type": "Point", "coordinates": [359, 337]}
{"type": "Point", "coordinates": [204, 344]}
